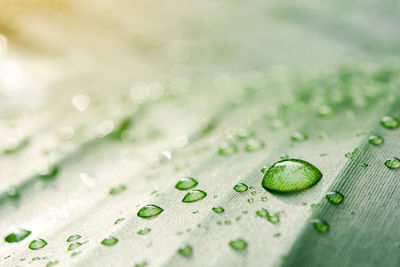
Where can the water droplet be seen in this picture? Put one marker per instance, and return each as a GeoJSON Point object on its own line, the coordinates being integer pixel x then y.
{"type": "Point", "coordinates": [262, 213]}
{"type": "Point", "coordinates": [149, 211]}
{"type": "Point", "coordinates": [250, 200]}
{"type": "Point", "coordinates": [238, 244]}
{"type": "Point", "coordinates": [118, 189]}
{"type": "Point", "coordinates": [76, 253]}
{"type": "Point", "coordinates": [81, 102]}
{"type": "Point", "coordinates": [17, 236]}
{"type": "Point", "coordinates": [119, 220]}
{"type": "Point", "coordinates": [227, 222]}
{"type": "Point", "coordinates": [50, 173]}
{"type": "Point", "coordinates": [351, 155]}
{"type": "Point", "coordinates": [325, 111]}
{"type": "Point", "coordinates": [194, 195]}
{"type": "Point", "coordinates": [334, 197]}
{"type": "Point", "coordinates": [73, 238]}
{"type": "Point", "coordinates": [243, 134]}
{"type": "Point", "coordinates": [375, 140]}
{"type": "Point", "coordinates": [390, 122]}
{"type": "Point", "coordinates": [320, 225]}
{"type": "Point", "coordinates": [264, 199]}
{"type": "Point", "coordinates": [109, 241]}
{"type": "Point", "coordinates": [186, 183]}
{"type": "Point", "coordinates": [75, 245]}
{"type": "Point", "coordinates": [218, 209]}
{"type": "Point", "coordinates": [141, 264]}
{"type": "Point", "coordinates": [240, 187]}
{"type": "Point", "coordinates": [264, 169]}
{"type": "Point", "coordinates": [254, 145]}
{"type": "Point", "coordinates": [17, 147]}
{"type": "Point", "coordinates": [144, 231]}
{"type": "Point", "coordinates": [299, 136]}
{"type": "Point", "coordinates": [186, 251]}
{"type": "Point", "coordinates": [253, 193]}
{"type": "Point", "coordinates": [226, 149]}
{"type": "Point", "coordinates": [364, 165]}
{"type": "Point", "coordinates": [393, 163]}
{"type": "Point", "coordinates": [273, 218]}
{"type": "Point", "coordinates": [291, 175]}
{"type": "Point", "coordinates": [37, 244]}
{"type": "Point", "coordinates": [52, 263]}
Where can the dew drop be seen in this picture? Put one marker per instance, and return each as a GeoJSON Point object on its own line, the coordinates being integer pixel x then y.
{"type": "Point", "coordinates": [226, 149]}
{"type": "Point", "coordinates": [109, 241]}
{"type": "Point", "coordinates": [119, 220]}
{"type": "Point", "coordinates": [334, 197]}
{"type": "Point", "coordinates": [144, 231]}
{"type": "Point", "coordinates": [17, 236]}
{"type": "Point", "coordinates": [254, 145]}
{"type": "Point", "coordinates": [299, 136]}
{"type": "Point", "coordinates": [149, 211]}
{"type": "Point", "coordinates": [393, 163]}
{"type": "Point", "coordinates": [194, 195]}
{"type": "Point", "coordinates": [273, 218]}
{"type": "Point", "coordinates": [73, 238]}
{"type": "Point", "coordinates": [375, 140]}
{"type": "Point", "coordinates": [118, 189]}
{"type": "Point", "coordinates": [50, 174]}
{"type": "Point", "coordinates": [74, 245]}
{"type": "Point", "coordinates": [186, 183]}
{"type": "Point", "coordinates": [320, 225]}
{"type": "Point", "coordinates": [240, 187]}
{"type": "Point", "coordinates": [244, 134]}
{"type": "Point", "coordinates": [37, 244]}
{"type": "Point", "coordinates": [186, 251]}
{"type": "Point", "coordinates": [218, 209]}
{"type": "Point", "coordinates": [390, 122]}
{"type": "Point", "coordinates": [291, 175]}
{"type": "Point", "coordinates": [238, 244]}
{"type": "Point", "coordinates": [262, 213]}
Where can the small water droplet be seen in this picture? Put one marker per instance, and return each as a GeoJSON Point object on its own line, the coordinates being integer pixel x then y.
{"type": "Point", "coordinates": [50, 173]}
{"type": "Point", "coordinates": [262, 213]}
{"type": "Point", "coordinates": [273, 218]}
{"type": "Point", "coordinates": [393, 163]}
{"type": "Point", "coordinates": [320, 225]}
{"type": "Point", "coordinates": [144, 231]}
{"type": "Point", "coordinates": [109, 241]}
{"type": "Point", "coordinates": [250, 200]}
{"type": "Point", "coordinates": [73, 238]}
{"type": "Point", "coordinates": [240, 187]}
{"type": "Point", "coordinates": [149, 211]}
{"type": "Point", "coordinates": [264, 169]}
{"type": "Point", "coordinates": [17, 236]}
{"type": "Point", "coordinates": [254, 145]}
{"type": "Point", "coordinates": [264, 199]}
{"type": "Point", "coordinates": [37, 244]}
{"type": "Point", "coordinates": [186, 183]}
{"type": "Point", "coordinates": [75, 253]}
{"type": "Point", "coordinates": [74, 245]}
{"type": "Point", "coordinates": [299, 136]}
{"type": "Point", "coordinates": [244, 134]}
{"type": "Point", "coordinates": [291, 175]}
{"type": "Point", "coordinates": [194, 195]}
{"type": "Point", "coordinates": [253, 193]}
{"type": "Point", "coordinates": [186, 251]}
{"type": "Point", "coordinates": [141, 264]}
{"type": "Point", "coordinates": [227, 222]}
{"type": "Point", "coordinates": [364, 165]}
{"type": "Point", "coordinates": [52, 263]}
{"type": "Point", "coordinates": [334, 197]}
{"type": "Point", "coordinates": [238, 244]}
{"type": "Point", "coordinates": [218, 209]}
{"type": "Point", "coordinates": [118, 189]}
{"type": "Point", "coordinates": [226, 149]}
{"type": "Point", "coordinates": [390, 122]}
{"type": "Point", "coordinates": [119, 220]}
{"type": "Point", "coordinates": [325, 111]}
{"type": "Point", "coordinates": [375, 140]}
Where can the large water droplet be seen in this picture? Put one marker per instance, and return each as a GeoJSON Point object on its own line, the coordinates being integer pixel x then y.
{"type": "Point", "coordinates": [149, 211]}
{"type": "Point", "coordinates": [390, 122]}
{"type": "Point", "coordinates": [240, 187]}
{"type": "Point", "coordinates": [375, 140]}
{"type": "Point", "coordinates": [194, 195]}
{"type": "Point", "coordinates": [109, 241]}
{"type": "Point", "coordinates": [118, 189]}
{"type": "Point", "coordinates": [37, 244]}
{"type": "Point", "coordinates": [186, 183]}
{"type": "Point", "coordinates": [320, 225]}
{"type": "Point", "coordinates": [73, 238]}
{"type": "Point", "coordinates": [334, 197]}
{"type": "Point", "coordinates": [17, 236]}
{"type": "Point", "coordinates": [238, 244]}
{"type": "Point", "coordinates": [393, 163]}
{"type": "Point", "coordinates": [218, 209]}
{"type": "Point", "coordinates": [144, 231]}
{"type": "Point", "coordinates": [290, 175]}
{"type": "Point", "coordinates": [186, 251]}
